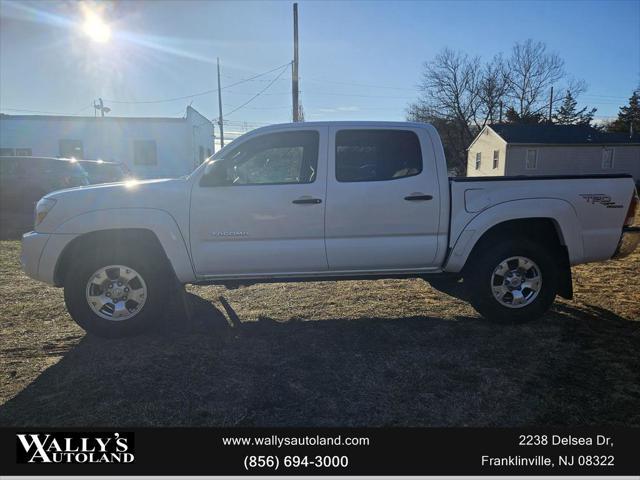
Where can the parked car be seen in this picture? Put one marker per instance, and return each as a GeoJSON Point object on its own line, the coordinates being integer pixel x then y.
{"type": "Point", "coordinates": [326, 201]}
{"type": "Point", "coordinates": [100, 171]}
{"type": "Point", "coordinates": [24, 180]}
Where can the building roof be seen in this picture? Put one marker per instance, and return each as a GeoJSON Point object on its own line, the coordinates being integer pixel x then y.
{"type": "Point", "coordinates": [560, 134]}
{"type": "Point", "coordinates": [108, 118]}
{"type": "Point", "coordinates": [88, 118]}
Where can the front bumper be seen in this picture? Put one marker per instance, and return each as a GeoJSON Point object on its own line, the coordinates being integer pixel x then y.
{"type": "Point", "coordinates": [629, 241]}
{"type": "Point", "coordinates": [33, 244]}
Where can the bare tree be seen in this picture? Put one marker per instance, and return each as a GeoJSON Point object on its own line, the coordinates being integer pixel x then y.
{"type": "Point", "coordinates": [492, 91]}
{"type": "Point", "coordinates": [532, 72]}
{"type": "Point", "coordinates": [454, 139]}
{"type": "Point", "coordinates": [460, 95]}
{"type": "Point", "coordinates": [450, 88]}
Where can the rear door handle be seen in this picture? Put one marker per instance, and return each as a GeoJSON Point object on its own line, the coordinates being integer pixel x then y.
{"type": "Point", "coordinates": [415, 198]}
{"type": "Point", "coordinates": [307, 200]}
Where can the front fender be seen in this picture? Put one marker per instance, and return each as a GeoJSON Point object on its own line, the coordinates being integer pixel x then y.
{"type": "Point", "coordinates": [559, 211]}
{"type": "Point", "coordinates": [160, 222]}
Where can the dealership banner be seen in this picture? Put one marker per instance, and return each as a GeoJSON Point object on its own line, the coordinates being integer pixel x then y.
{"type": "Point", "coordinates": [326, 451]}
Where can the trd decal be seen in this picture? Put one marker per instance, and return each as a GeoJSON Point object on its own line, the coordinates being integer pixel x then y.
{"type": "Point", "coordinates": [600, 198]}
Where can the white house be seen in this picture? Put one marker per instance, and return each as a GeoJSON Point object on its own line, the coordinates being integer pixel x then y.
{"type": "Point", "coordinates": [509, 149]}
{"type": "Point", "coordinates": [152, 147]}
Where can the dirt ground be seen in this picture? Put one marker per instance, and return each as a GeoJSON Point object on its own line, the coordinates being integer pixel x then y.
{"type": "Point", "coordinates": [388, 352]}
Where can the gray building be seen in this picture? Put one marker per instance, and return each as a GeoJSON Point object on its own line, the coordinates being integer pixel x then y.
{"type": "Point", "coordinates": [151, 147]}
{"type": "Point", "coordinates": [507, 149]}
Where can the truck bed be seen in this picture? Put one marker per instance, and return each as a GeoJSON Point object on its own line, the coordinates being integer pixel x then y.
{"type": "Point", "coordinates": [587, 210]}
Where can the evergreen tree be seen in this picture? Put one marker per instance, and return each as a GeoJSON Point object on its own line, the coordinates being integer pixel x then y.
{"type": "Point", "coordinates": [568, 114]}
{"type": "Point", "coordinates": [628, 116]}
{"type": "Point", "coordinates": [512, 116]}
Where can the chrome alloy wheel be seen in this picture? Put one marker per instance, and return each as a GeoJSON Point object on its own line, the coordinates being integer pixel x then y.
{"type": "Point", "coordinates": [116, 292]}
{"type": "Point", "coordinates": [516, 282]}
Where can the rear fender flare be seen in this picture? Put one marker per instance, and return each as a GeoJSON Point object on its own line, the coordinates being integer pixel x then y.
{"type": "Point", "coordinates": [559, 211]}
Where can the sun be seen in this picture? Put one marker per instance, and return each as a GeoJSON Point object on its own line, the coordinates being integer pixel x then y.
{"type": "Point", "coordinates": [95, 28]}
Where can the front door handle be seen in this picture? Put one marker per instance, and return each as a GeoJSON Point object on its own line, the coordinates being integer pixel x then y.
{"type": "Point", "coordinates": [307, 200]}
{"type": "Point", "coordinates": [418, 197]}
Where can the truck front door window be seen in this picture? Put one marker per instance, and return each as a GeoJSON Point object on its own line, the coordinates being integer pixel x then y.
{"type": "Point", "coordinates": [278, 158]}
{"type": "Point", "coordinates": [274, 165]}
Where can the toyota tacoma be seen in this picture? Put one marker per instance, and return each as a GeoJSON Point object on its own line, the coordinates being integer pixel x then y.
{"type": "Point", "coordinates": [326, 201]}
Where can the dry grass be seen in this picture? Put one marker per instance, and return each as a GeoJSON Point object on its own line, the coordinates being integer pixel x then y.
{"type": "Point", "coordinates": [390, 352]}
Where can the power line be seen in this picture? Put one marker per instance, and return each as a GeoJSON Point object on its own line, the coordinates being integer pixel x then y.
{"type": "Point", "coordinates": [260, 92]}
{"type": "Point", "coordinates": [278, 107]}
{"type": "Point", "coordinates": [417, 90]}
{"type": "Point", "coordinates": [359, 95]}
{"type": "Point", "coordinates": [198, 94]}
{"type": "Point", "coordinates": [310, 79]}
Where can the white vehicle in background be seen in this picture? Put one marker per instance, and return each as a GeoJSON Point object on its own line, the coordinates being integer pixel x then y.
{"type": "Point", "coordinates": [318, 201]}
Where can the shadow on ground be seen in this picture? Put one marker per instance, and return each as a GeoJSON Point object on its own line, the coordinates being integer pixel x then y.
{"type": "Point", "coordinates": [574, 367]}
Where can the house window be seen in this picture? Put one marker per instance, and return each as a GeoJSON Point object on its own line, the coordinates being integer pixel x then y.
{"type": "Point", "coordinates": [208, 152]}
{"type": "Point", "coordinates": [71, 148]}
{"type": "Point", "coordinates": [7, 152]}
{"type": "Point", "coordinates": [23, 152]}
{"type": "Point", "coordinates": [201, 154]}
{"type": "Point", "coordinates": [145, 152]}
{"type": "Point", "coordinates": [478, 160]}
{"type": "Point", "coordinates": [532, 159]}
{"type": "Point", "coordinates": [496, 158]}
{"type": "Point", "coordinates": [607, 158]}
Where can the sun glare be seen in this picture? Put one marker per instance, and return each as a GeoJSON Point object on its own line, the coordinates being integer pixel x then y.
{"type": "Point", "coordinates": [95, 28]}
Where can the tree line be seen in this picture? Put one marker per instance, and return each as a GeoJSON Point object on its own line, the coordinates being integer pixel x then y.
{"type": "Point", "coordinates": [460, 94]}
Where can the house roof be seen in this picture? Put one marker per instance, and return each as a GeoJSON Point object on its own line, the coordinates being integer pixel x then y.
{"type": "Point", "coordinates": [560, 134]}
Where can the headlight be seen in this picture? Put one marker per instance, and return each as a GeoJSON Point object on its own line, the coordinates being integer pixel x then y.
{"type": "Point", "coordinates": [43, 207]}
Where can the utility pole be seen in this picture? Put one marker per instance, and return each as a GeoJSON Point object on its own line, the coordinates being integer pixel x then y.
{"type": "Point", "coordinates": [550, 104]}
{"type": "Point", "coordinates": [294, 66]}
{"type": "Point", "coordinates": [220, 108]}
{"type": "Point", "coordinates": [500, 121]}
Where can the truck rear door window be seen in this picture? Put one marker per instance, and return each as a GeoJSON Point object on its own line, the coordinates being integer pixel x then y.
{"type": "Point", "coordinates": [377, 155]}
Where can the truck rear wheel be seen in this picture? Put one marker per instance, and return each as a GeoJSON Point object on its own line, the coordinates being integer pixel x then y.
{"type": "Point", "coordinates": [513, 282]}
{"type": "Point", "coordinates": [116, 294]}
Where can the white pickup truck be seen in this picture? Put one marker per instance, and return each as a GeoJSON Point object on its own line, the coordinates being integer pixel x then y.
{"type": "Point", "coordinates": [326, 201]}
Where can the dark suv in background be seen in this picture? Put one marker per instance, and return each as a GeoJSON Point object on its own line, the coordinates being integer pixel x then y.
{"type": "Point", "coordinates": [100, 171]}
{"type": "Point", "coordinates": [24, 180]}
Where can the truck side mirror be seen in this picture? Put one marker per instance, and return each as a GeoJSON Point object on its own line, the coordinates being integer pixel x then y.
{"type": "Point", "coordinates": [215, 175]}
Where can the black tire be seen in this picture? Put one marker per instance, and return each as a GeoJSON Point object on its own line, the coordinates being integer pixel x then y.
{"type": "Point", "coordinates": [155, 272]}
{"type": "Point", "coordinates": [479, 275]}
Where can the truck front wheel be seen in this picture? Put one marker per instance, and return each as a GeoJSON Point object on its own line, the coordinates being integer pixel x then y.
{"type": "Point", "coordinates": [514, 281]}
{"type": "Point", "coordinates": [115, 294]}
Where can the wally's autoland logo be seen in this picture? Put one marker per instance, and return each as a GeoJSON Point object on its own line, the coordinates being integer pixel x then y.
{"type": "Point", "coordinates": [72, 447]}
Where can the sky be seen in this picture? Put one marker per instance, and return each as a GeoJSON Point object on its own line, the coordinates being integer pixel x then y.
{"type": "Point", "coordinates": [359, 60]}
